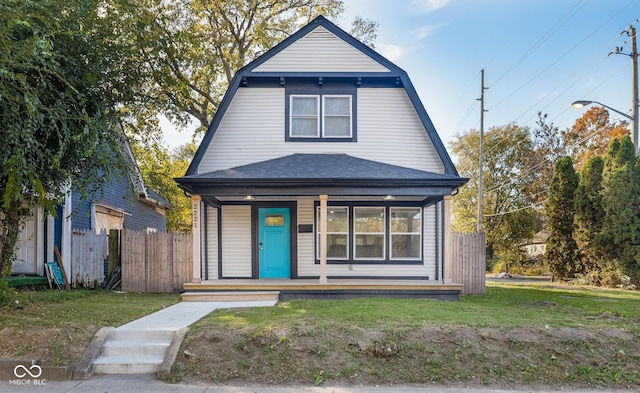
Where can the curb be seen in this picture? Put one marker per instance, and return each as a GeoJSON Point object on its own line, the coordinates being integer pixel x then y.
{"type": "Point", "coordinates": [84, 369]}
{"type": "Point", "coordinates": [172, 351]}
{"type": "Point", "coordinates": [30, 370]}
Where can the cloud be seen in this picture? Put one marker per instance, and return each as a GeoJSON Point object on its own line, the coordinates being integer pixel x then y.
{"type": "Point", "coordinates": [427, 6]}
{"type": "Point", "coordinates": [391, 52]}
{"type": "Point", "coordinates": [425, 31]}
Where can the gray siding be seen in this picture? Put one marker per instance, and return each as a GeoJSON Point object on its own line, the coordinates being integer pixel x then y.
{"type": "Point", "coordinates": [322, 51]}
{"type": "Point", "coordinates": [211, 259]}
{"type": "Point", "coordinates": [389, 131]}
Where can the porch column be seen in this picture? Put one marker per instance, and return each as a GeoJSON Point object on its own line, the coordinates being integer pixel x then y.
{"type": "Point", "coordinates": [323, 239]}
{"type": "Point", "coordinates": [195, 227]}
{"type": "Point", "coordinates": [446, 241]}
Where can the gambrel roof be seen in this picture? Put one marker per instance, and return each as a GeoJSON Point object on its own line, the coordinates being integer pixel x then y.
{"type": "Point", "coordinates": [363, 62]}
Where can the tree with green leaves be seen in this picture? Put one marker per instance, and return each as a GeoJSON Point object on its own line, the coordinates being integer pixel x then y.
{"type": "Point", "coordinates": [191, 50]}
{"type": "Point", "coordinates": [159, 167]}
{"type": "Point", "coordinates": [561, 255]}
{"type": "Point", "coordinates": [63, 76]}
{"type": "Point", "coordinates": [588, 222]}
{"type": "Point", "coordinates": [620, 235]}
{"type": "Point", "coordinates": [509, 213]}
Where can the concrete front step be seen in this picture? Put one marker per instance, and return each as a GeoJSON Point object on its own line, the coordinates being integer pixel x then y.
{"type": "Point", "coordinates": [141, 334]}
{"type": "Point", "coordinates": [155, 348]}
{"type": "Point", "coordinates": [127, 364]}
{"type": "Point", "coordinates": [232, 296]}
{"type": "Point", "coordinates": [133, 351]}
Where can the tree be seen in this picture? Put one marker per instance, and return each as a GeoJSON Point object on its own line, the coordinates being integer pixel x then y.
{"type": "Point", "coordinates": [561, 255]}
{"type": "Point", "coordinates": [588, 222]}
{"type": "Point", "coordinates": [159, 168]}
{"type": "Point", "coordinates": [620, 235]}
{"type": "Point", "coordinates": [509, 216]}
{"type": "Point", "coordinates": [591, 135]}
{"type": "Point", "coordinates": [191, 50]}
{"type": "Point", "coordinates": [64, 73]}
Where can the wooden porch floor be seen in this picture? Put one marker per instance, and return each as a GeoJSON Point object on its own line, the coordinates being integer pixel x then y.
{"type": "Point", "coordinates": [334, 288]}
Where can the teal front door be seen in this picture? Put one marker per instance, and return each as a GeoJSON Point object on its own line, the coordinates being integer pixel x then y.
{"type": "Point", "coordinates": [273, 242]}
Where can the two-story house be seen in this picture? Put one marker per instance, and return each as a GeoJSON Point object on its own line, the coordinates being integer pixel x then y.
{"type": "Point", "coordinates": [321, 167]}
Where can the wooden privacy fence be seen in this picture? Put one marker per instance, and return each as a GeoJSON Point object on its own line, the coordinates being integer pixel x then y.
{"type": "Point", "coordinates": [468, 265]}
{"type": "Point", "coordinates": [88, 253]}
{"type": "Point", "coordinates": [155, 262]}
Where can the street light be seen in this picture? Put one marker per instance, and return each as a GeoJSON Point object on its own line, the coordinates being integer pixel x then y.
{"type": "Point", "coordinates": [581, 103]}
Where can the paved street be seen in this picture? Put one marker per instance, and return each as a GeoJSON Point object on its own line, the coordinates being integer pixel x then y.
{"type": "Point", "coordinates": [147, 384]}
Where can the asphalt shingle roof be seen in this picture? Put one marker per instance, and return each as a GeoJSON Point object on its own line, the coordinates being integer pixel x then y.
{"type": "Point", "coordinates": [322, 167]}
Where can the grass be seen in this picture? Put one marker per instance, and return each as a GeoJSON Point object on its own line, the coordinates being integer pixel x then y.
{"type": "Point", "coordinates": [516, 335]}
{"type": "Point", "coordinates": [56, 326]}
{"type": "Point", "coordinates": [503, 307]}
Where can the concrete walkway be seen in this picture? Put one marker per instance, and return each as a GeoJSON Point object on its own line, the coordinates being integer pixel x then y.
{"type": "Point", "coordinates": [184, 314]}
{"type": "Point", "coordinates": [150, 344]}
{"type": "Point", "coordinates": [147, 384]}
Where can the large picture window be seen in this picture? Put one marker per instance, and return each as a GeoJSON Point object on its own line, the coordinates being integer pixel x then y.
{"type": "Point", "coordinates": [406, 232]}
{"type": "Point", "coordinates": [327, 117]}
{"type": "Point", "coordinates": [369, 230]}
{"type": "Point", "coordinates": [372, 234]}
{"type": "Point", "coordinates": [337, 232]}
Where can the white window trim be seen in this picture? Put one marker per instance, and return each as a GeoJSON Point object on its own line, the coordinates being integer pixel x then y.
{"type": "Point", "coordinates": [291, 116]}
{"type": "Point", "coordinates": [419, 234]}
{"type": "Point", "coordinates": [356, 233]}
{"type": "Point", "coordinates": [350, 116]}
{"type": "Point", "coordinates": [346, 257]}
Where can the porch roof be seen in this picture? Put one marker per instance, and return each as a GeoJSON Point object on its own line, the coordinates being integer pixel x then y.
{"type": "Point", "coordinates": [313, 174]}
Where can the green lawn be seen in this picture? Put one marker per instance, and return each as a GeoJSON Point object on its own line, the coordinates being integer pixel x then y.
{"type": "Point", "coordinates": [56, 326]}
{"type": "Point", "coordinates": [504, 306]}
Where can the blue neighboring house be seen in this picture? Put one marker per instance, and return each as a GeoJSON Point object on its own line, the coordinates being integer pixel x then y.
{"type": "Point", "coordinates": [125, 203]}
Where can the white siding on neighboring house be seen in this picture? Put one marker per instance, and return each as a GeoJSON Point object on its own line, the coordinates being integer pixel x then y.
{"type": "Point", "coordinates": [236, 241]}
{"type": "Point", "coordinates": [30, 246]}
{"type": "Point", "coordinates": [320, 50]}
{"type": "Point", "coordinates": [388, 130]}
{"type": "Point", "coordinates": [212, 244]}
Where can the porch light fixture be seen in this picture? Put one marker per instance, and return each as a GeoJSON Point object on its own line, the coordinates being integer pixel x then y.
{"type": "Point", "coordinates": [249, 198]}
{"type": "Point", "coordinates": [389, 197]}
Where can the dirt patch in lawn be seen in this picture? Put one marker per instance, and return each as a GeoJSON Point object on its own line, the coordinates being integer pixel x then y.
{"type": "Point", "coordinates": [448, 356]}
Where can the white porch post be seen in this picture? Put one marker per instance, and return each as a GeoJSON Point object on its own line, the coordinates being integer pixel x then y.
{"type": "Point", "coordinates": [323, 239]}
{"type": "Point", "coordinates": [446, 240]}
{"type": "Point", "coordinates": [195, 226]}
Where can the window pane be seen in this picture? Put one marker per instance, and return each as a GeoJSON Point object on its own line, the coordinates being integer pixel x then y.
{"type": "Point", "coordinates": [337, 246]}
{"type": "Point", "coordinates": [405, 246]}
{"type": "Point", "coordinates": [369, 219]}
{"type": "Point", "coordinates": [304, 127]}
{"type": "Point", "coordinates": [370, 246]}
{"type": "Point", "coordinates": [405, 220]}
{"type": "Point", "coordinates": [304, 106]}
{"type": "Point", "coordinates": [274, 220]}
{"type": "Point", "coordinates": [337, 220]}
{"type": "Point", "coordinates": [340, 106]}
{"type": "Point", "coordinates": [337, 126]}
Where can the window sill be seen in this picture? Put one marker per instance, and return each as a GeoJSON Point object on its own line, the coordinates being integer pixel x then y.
{"type": "Point", "coordinates": [371, 262]}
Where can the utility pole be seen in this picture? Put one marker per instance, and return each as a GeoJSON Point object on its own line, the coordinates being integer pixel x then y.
{"type": "Point", "coordinates": [634, 82]}
{"type": "Point", "coordinates": [480, 163]}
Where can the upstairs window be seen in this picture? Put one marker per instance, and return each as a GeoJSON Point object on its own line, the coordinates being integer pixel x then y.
{"type": "Point", "coordinates": [305, 116]}
{"type": "Point", "coordinates": [320, 117]}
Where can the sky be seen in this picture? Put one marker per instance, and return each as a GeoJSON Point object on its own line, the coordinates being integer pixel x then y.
{"type": "Point", "coordinates": [537, 56]}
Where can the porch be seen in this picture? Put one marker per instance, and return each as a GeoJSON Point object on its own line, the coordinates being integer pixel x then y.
{"type": "Point", "coordinates": [334, 288]}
